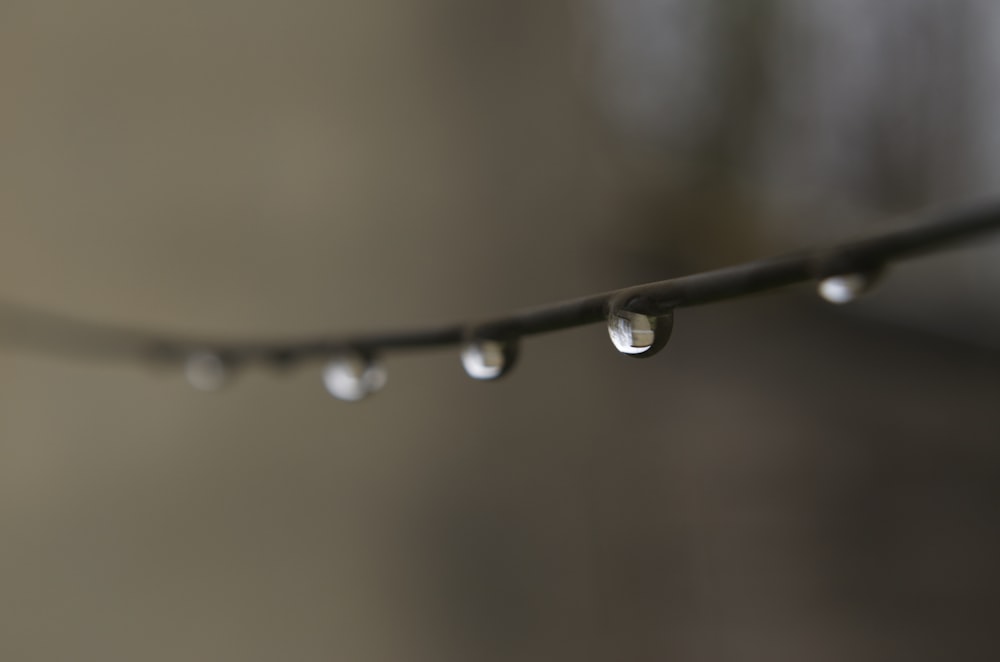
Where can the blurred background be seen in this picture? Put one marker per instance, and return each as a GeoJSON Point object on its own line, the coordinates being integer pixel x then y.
{"type": "Point", "coordinates": [787, 481]}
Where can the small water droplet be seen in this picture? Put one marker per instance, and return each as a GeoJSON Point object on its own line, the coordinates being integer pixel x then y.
{"type": "Point", "coordinates": [845, 288]}
{"type": "Point", "coordinates": [488, 359]}
{"type": "Point", "coordinates": [354, 377]}
{"type": "Point", "coordinates": [639, 335]}
{"type": "Point", "coordinates": [206, 371]}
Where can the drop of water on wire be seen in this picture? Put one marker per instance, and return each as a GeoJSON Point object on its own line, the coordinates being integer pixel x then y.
{"type": "Point", "coordinates": [354, 377]}
{"type": "Point", "coordinates": [488, 359]}
{"type": "Point", "coordinates": [638, 335]}
{"type": "Point", "coordinates": [206, 371]}
{"type": "Point", "coordinates": [844, 288]}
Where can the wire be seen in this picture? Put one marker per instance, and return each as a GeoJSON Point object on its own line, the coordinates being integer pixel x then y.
{"type": "Point", "coordinates": [639, 318]}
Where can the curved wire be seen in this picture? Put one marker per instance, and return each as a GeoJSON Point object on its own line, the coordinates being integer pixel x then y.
{"type": "Point", "coordinates": [867, 254]}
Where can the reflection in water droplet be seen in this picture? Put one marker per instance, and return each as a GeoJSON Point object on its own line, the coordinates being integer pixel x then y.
{"type": "Point", "coordinates": [206, 371]}
{"type": "Point", "coordinates": [353, 377]}
{"type": "Point", "coordinates": [488, 359]}
{"type": "Point", "coordinates": [638, 335]}
{"type": "Point", "coordinates": [844, 288]}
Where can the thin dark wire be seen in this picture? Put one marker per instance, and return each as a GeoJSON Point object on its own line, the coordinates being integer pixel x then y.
{"type": "Point", "coordinates": [868, 254]}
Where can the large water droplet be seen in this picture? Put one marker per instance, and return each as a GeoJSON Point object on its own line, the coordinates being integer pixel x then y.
{"type": "Point", "coordinates": [354, 377]}
{"type": "Point", "coordinates": [639, 335]}
{"type": "Point", "coordinates": [206, 371]}
{"type": "Point", "coordinates": [845, 288]}
{"type": "Point", "coordinates": [488, 359]}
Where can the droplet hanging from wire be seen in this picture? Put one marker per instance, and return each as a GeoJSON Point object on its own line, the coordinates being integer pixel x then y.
{"type": "Point", "coordinates": [486, 359]}
{"type": "Point", "coordinates": [353, 377]}
{"type": "Point", "coordinates": [206, 371]}
{"type": "Point", "coordinates": [847, 287]}
{"type": "Point", "coordinates": [635, 334]}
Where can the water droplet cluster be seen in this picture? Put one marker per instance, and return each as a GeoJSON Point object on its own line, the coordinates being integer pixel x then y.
{"type": "Point", "coordinates": [639, 325]}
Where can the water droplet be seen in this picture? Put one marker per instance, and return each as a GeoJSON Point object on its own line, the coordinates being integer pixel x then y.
{"type": "Point", "coordinates": [488, 359]}
{"type": "Point", "coordinates": [639, 335]}
{"type": "Point", "coordinates": [845, 288]}
{"type": "Point", "coordinates": [206, 371]}
{"type": "Point", "coordinates": [354, 377]}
